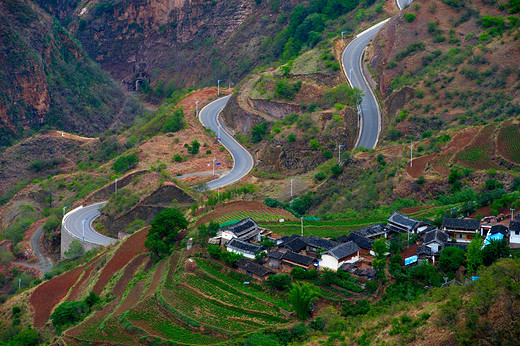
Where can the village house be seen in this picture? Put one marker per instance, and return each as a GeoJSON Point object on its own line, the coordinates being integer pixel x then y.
{"type": "Point", "coordinates": [253, 269]}
{"type": "Point", "coordinates": [435, 240]}
{"type": "Point", "coordinates": [246, 230]}
{"type": "Point", "coordinates": [246, 249]}
{"type": "Point", "coordinates": [462, 230]}
{"type": "Point", "coordinates": [514, 233]}
{"type": "Point", "coordinates": [274, 259]}
{"type": "Point", "coordinates": [365, 244]}
{"type": "Point", "coordinates": [316, 245]}
{"type": "Point", "coordinates": [376, 231]}
{"type": "Point", "coordinates": [399, 223]}
{"type": "Point", "coordinates": [339, 255]}
{"type": "Point", "coordinates": [291, 259]}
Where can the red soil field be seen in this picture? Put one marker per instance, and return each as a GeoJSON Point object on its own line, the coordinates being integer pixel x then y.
{"type": "Point", "coordinates": [128, 275]}
{"type": "Point", "coordinates": [50, 293]}
{"type": "Point", "coordinates": [239, 206]}
{"type": "Point", "coordinates": [156, 279]}
{"type": "Point", "coordinates": [419, 165]}
{"type": "Point", "coordinates": [131, 299]}
{"type": "Point", "coordinates": [130, 248]}
{"type": "Point", "coordinates": [82, 282]}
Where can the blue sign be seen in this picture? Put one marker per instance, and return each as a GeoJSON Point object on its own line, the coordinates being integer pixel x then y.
{"type": "Point", "coordinates": [218, 163]}
{"type": "Point", "coordinates": [475, 278]}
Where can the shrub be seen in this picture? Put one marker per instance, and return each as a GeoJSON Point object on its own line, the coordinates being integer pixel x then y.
{"type": "Point", "coordinates": [279, 281]}
{"type": "Point", "coordinates": [327, 154]}
{"type": "Point", "coordinates": [258, 132]}
{"type": "Point", "coordinates": [125, 163]}
{"type": "Point", "coordinates": [68, 313]}
{"type": "Point", "coordinates": [286, 90]}
{"type": "Point", "coordinates": [320, 176]}
{"type": "Point", "coordinates": [336, 170]}
{"type": "Point", "coordinates": [291, 138]}
{"type": "Point", "coordinates": [410, 17]}
{"type": "Point", "coordinates": [178, 158]}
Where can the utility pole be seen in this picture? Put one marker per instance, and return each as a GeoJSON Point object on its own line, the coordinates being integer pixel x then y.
{"type": "Point", "coordinates": [83, 223]}
{"type": "Point", "coordinates": [411, 154]}
{"type": "Point", "coordinates": [218, 87]}
{"type": "Point", "coordinates": [301, 219]}
{"type": "Point", "coordinates": [512, 213]}
{"type": "Point", "coordinates": [115, 184]}
{"type": "Point", "coordinates": [197, 107]}
{"type": "Point", "coordinates": [339, 153]}
{"type": "Point", "coordinates": [359, 117]}
{"type": "Point", "coordinates": [63, 218]}
{"type": "Point", "coordinates": [342, 38]}
{"type": "Point", "coordinates": [214, 160]}
{"type": "Point", "coordinates": [291, 188]}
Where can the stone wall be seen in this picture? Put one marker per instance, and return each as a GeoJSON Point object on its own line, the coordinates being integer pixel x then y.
{"type": "Point", "coordinates": [67, 238]}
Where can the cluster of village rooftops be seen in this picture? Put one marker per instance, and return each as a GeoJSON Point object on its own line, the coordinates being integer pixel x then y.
{"type": "Point", "coordinates": [353, 252]}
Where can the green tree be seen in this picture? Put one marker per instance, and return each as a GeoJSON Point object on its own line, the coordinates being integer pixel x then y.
{"type": "Point", "coordinates": [474, 254]}
{"type": "Point", "coordinates": [125, 163]}
{"type": "Point", "coordinates": [494, 250]}
{"type": "Point", "coordinates": [163, 233]}
{"type": "Point", "coordinates": [451, 259]}
{"type": "Point", "coordinates": [279, 281]}
{"type": "Point", "coordinates": [336, 170]}
{"type": "Point", "coordinates": [380, 249]}
{"type": "Point", "coordinates": [68, 313]}
{"type": "Point", "coordinates": [302, 297]}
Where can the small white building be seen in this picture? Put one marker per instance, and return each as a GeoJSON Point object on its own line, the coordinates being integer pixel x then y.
{"type": "Point", "coordinates": [435, 240]}
{"type": "Point", "coordinates": [514, 232]}
{"type": "Point", "coordinates": [339, 255]}
{"type": "Point", "coordinates": [246, 249]}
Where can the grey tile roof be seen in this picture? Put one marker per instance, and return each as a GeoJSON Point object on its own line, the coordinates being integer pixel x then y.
{"type": "Point", "coordinates": [320, 243]}
{"type": "Point", "coordinates": [500, 229]}
{"type": "Point", "coordinates": [253, 268]}
{"type": "Point", "coordinates": [514, 226]}
{"type": "Point", "coordinates": [242, 227]}
{"type": "Point", "coordinates": [275, 255]}
{"type": "Point", "coordinates": [243, 246]}
{"type": "Point", "coordinates": [362, 242]}
{"type": "Point", "coordinates": [403, 221]}
{"type": "Point", "coordinates": [435, 235]}
{"type": "Point", "coordinates": [297, 258]}
{"type": "Point", "coordinates": [343, 250]}
{"type": "Point", "coordinates": [423, 250]}
{"type": "Point", "coordinates": [295, 245]}
{"type": "Point", "coordinates": [463, 224]}
{"type": "Point", "coordinates": [371, 231]}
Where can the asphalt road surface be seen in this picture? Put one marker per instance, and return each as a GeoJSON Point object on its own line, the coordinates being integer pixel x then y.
{"type": "Point", "coordinates": [74, 224]}
{"type": "Point", "coordinates": [370, 114]}
{"type": "Point", "coordinates": [242, 160]}
{"type": "Point", "coordinates": [403, 3]}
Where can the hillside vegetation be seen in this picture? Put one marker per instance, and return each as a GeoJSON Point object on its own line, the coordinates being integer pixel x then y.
{"type": "Point", "coordinates": [461, 60]}
{"type": "Point", "coordinates": [47, 80]}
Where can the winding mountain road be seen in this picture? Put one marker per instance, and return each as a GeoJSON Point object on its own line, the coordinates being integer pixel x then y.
{"type": "Point", "coordinates": [73, 223]}
{"type": "Point", "coordinates": [352, 59]}
{"type": "Point", "coordinates": [208, 116]}
{"type": "Point", "coordinates": [242, 159]}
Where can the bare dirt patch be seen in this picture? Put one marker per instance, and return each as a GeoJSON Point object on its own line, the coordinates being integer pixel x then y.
{"type": "Point", "coordinates": [418, 166]}
{"type": "Point", "coordinates": [156, 279]}
{"type": "Point", "coordinates": [50, 293]}
{"type": "Point", "coordinates": [133, 245]}
{"type": "Point", "coordinates": [131, 299]}
{"type": "Point", "coordinates": [128, 274]}
{"type": "Point", "coordinates": [79, 287]}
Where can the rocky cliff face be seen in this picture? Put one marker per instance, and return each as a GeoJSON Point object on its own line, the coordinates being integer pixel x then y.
{"type": "Point", "coordinates": [47, 80]}
{"type": "Point", "coordinates": [185, 43]}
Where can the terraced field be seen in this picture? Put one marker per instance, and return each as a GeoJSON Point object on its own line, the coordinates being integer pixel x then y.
{"type": "Point", "coordinates": [509, 143]}
{"type": "Point", "coordinates": [203, 306]}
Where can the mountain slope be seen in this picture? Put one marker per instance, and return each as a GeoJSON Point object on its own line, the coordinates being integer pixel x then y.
{"type": "Point", "coordinates": [46, 80]}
